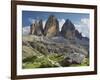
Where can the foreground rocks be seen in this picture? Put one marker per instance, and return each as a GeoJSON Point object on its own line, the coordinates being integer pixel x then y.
{"type": "Point", "coordinates": [73, 58]}
{"type": "Point", "coordinates": [71, 52]}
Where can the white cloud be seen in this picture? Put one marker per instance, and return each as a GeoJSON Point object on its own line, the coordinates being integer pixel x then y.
{"type": "Point", "coordinates": [83, 26]}
{"type": "Point", "coordinates": [85, 21]}
{"type": "Point", "coordinates": [26, 30]}
{"type": "Point", "coordinates": [31, 20]}
{"type": "Point", "coordinates": [44, 22]}
{"type": "Point", "coordinates": [61, 22]}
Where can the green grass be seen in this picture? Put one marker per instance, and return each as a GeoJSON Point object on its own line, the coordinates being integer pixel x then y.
{"type": "Point", "coordinates": [31, 65]}
{"type": "Point", "coordinates": [42, 61]}
{"type": "Point", "coordinates": [55, 57]}
{"type": "Point", "coordinates": [46, 61]}
{"type": "Point", "coordinates": [30, 59]}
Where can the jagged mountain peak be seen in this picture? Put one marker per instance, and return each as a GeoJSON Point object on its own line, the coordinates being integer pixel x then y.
{"type": "Point", "coordinates": [68, 30]}
{"type": "Point", "coordinates": [68, 25]}
{"type": "Point", "coordinates": [52, 16]}
{"type": "Point", "coordinates": [51, 27]}
{"type": "Point", "coordinates": [37, 27]}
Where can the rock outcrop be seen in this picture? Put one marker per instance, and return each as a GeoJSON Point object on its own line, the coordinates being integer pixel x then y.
{"type": "Point", "coordinates": [52, 27]}
{"type": "Point", "coordinates": [75, 58]}
{"type": "Point", "coordinates": [68, 30]}
{"type": "Point", "coordinates": [37, 28]}
{"type": "Point", "coordinates": [78, 35]}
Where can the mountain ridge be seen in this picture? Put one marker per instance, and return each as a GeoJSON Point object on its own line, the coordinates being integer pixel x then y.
{"type": "Point", "coordinates": [51, 29]}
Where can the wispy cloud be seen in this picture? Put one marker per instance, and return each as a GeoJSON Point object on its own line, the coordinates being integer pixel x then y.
{"type": "Point", "coordinates": [83, 26]}
{"type": "Point", "coordinates": [26, 30]}
{"type": "Point", "coordinates": [85, 21]}
{"type": "Point", "coordinates": [31, 20]}
{"type": "Point", "coordinates": [44, 22]}
{"type": "Point", "coordinates": [61, 22]}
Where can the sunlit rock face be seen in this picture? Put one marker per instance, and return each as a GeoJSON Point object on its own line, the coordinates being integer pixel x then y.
{"type": "Point", "coordinates": [52, 27]}
{"type": "Point", "coordinates": [37, 28]}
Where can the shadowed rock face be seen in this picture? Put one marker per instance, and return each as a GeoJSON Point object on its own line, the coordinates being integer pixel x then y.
{"type": "Point", "coordinates": [37, 28]}
{"type": "Point", "coordinates": [52, 27]}
{"type": "Point", "coordinates": [68, 29]}
{"type": "Point", "coordinates": [78, 35]}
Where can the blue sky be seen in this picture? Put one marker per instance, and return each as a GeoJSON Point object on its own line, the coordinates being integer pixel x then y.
{"type": "Point", "coordinates": [80, 20]}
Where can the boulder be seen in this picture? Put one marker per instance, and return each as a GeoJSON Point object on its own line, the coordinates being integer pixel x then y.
{"type": "Point", "coordinates": [73, 58]}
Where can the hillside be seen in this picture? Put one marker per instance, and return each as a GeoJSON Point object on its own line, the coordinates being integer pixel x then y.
{"type": "Point", "coordinates": [46, 52]}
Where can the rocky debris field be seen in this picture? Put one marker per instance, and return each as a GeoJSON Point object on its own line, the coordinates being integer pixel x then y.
{"type": "Point", "coordinates": [64, 53]}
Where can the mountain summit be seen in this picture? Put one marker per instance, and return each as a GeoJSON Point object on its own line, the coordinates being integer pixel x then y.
{"type": "Point", "coordinates": [68, 29]}
{"type": "Point", "coordinates": [52, 27]}
{"type": "Point", "coordinates": [37, 28]}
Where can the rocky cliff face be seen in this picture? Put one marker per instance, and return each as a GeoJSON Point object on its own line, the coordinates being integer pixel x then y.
{"type": "Point", "coordinates": [68, 30]}
{"type": "Point", "coordinates": [37, 28]}
{"type": "Point", "coordinates": [78, 35]}
{"type": "Point", "coordinates": [52, 27]}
